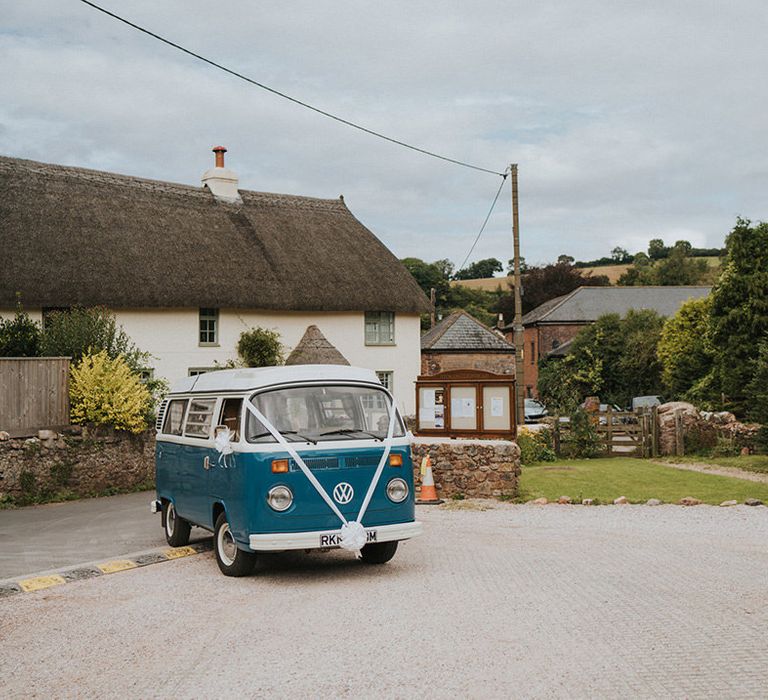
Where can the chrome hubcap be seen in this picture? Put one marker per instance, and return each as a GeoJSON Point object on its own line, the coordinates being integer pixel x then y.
{"type": "Point", "coordinates": [226, 545]}
{"type": "Point", "coordinates": [170, 519]}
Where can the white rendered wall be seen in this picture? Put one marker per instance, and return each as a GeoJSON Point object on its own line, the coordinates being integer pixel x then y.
{"type": "Point", "coordinates": [171, 336]}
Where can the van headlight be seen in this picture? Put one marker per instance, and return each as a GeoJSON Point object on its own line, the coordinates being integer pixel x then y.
{"type": "Point", "coordinates": [397, 490]}
{"type": "Point", "coordinates": [280, 498]}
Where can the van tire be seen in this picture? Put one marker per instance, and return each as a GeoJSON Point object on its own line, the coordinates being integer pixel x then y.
{"type": "Point", "coordinates": [378, 552]}
{"type": "Point", "coordinates": [175, 527]}
{"type": "Point", "coordinates": [232, 560]}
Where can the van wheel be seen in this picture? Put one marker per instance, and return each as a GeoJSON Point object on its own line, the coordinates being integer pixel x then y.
{"type": "Point", "coordinates": [378, 552]}
{"type": "Point", "coordinates": [176, 528]}
{"type": "Point", "coordinates": [232, 560]}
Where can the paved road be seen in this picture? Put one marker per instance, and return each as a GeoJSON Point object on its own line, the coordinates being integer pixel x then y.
{"type": "Point", "coordinates": [516, 601]}
{"type": "Point", "coordinates": [46, 537]}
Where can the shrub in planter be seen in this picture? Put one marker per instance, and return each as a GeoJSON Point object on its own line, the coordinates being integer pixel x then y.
{"type": "Point", "coordinates": [104, 391]}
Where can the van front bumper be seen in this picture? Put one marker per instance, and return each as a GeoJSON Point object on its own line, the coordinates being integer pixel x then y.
{"type": "Point", "coordinates": [281, 541]}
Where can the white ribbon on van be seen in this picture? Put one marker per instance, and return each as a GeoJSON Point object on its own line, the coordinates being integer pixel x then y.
{"type": "Point", "coordinates": [353, 535]}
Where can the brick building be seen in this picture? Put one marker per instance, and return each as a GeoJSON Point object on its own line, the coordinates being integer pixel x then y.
{"type": "Point", "coordinates": [551, 327]}
{"type": "Point", "coordinates": [461, 342]}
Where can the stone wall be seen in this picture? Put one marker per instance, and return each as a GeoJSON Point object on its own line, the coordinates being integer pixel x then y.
{"type": "Point", "coordinates": [471, 468]}
{"type": "Point", "coordinates": [701, 429]}
{"type": "Point", "coordinates": [496, 362]}
{"type": "Point", "coordinates": [75, 461]}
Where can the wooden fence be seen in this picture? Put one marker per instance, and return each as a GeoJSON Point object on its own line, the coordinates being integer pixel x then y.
{"type": "Point", "coordinates": [622, 433]}
{"type": "Point", "coordinates": [34, 394]}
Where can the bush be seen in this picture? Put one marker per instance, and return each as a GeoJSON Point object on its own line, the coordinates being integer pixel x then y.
{"type": "Point", "coordinates": [582, 439]}
{"type": "Point", "coordinates": [86, 331]}
{"type": "Point", "coordinates": [761, 440]}
{"type": "Point", "coordinates": [726, 447]}
{"type": "Point", "coordinates": [104, 391]}
{"type": "Point", "coordinates": [19, 336]}
{"type": "Point", "coordinates": [259, 347]}
{"type": "Point", "coordinates": [534, 446]}
{"type": "Point", "coordinates": [700, 439]}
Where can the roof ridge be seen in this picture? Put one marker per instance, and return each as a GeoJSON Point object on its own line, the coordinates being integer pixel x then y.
{"type": "Point", "coordinates": [112, 178]}
{"type": "Point", "coordinates": [446, 323]}
{"type": "Point", "coordinates": [562, 301]}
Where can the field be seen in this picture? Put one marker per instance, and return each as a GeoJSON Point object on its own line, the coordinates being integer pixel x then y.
{"type": "Point", "coordinates": [637, 479]}
{"type": "Point", "coordinates": [490, 284]}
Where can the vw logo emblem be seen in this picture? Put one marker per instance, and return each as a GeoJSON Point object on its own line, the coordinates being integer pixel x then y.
{"type": "Point", "coordinates": [343, 493]}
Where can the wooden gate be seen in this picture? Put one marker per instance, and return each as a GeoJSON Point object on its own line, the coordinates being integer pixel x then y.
{"type": "Point", "coordinates": [628, 433]}
{"type": "Point", "coordinates": [34, 394]}
{"type": "Point", "coordinates": [622, 433]}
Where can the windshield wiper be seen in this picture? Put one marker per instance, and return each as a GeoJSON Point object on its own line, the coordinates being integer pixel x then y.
{"type": "Point", "coordinates": [348, 431]}
{"type": "Point", "coordinates": [283, 432]}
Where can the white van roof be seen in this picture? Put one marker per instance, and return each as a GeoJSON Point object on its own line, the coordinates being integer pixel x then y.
{"type": "Point", "coordinates": [258, 377]}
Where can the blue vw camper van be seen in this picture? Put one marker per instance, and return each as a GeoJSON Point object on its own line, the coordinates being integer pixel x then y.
{"type": "Point", "coordinates": [280, 458]}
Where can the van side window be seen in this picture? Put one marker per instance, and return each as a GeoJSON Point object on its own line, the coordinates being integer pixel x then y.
{"type": "Point", "coordinates": [230, 416]}
{"type": "Point", "coordinates": [199, 418]}
{"type": "Point", "coordinates": [174, 417]}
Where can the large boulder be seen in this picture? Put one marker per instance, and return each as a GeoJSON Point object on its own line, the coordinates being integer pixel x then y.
{"type": "Point", "coordinates": [667, 413]}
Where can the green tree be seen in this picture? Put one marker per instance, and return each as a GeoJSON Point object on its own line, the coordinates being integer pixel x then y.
{"type": "Point", "coordinates": [620, 255]}
{"type": "Point", "coordinates": [480, 269]}
{"type": "Point", "coordinates": [260, 347]}
{"type": "Point", "coordinates": [614, 358]}
{"type": "Point", "coordinates": [676, 268]}
{"type": "Point", "coordinates": [657, 250]}
{"type": "Point", "coordinates": [83, 331]}
{"type": "Point", "coordinates": [757, 389]}
{"type": "Point", "coordinates": [740, 310]}
{"type": "Point", "coordinates": [685, 351]}
{"type": "Point", "coordinates": [19, 336]}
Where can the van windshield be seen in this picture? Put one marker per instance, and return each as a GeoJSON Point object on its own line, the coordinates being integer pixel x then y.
{"type": "Point", "coordinates": [322, 413]}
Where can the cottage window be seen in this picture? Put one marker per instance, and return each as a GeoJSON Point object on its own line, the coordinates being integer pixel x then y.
{"type": "Point", "coordinates": [386, 378]}
{"type": "Point", "coordinates": [379, 328]}
{"type": "Point", "coordinates": [194, 371]}
{"type": "Point", "coordinates": [209, 326]}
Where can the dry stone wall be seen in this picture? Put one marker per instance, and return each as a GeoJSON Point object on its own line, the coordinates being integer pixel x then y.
{"type": "Point", "coordinates": [76, 461]}
{"type": "Point", "coordinates": [471, 468]}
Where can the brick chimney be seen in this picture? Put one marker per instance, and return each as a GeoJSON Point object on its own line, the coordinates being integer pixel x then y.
{"type": "Point", "coordinates": [220, 181]}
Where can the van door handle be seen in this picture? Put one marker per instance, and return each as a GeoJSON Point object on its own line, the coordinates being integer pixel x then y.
{"type": "Point", "coordinates": [206, 462]}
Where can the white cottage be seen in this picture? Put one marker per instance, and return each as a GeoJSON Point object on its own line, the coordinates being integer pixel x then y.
{"type": "Point", "coordinates": [187, 269]}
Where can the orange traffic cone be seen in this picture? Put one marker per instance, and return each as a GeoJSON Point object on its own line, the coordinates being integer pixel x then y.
{"type": "Point", "coordinates": [428, 493]}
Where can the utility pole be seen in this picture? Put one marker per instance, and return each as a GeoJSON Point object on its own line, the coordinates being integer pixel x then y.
{"type": "Point", "coordinates": [432, 312]}
{"type": "Point", "coordinates": [517, 325]}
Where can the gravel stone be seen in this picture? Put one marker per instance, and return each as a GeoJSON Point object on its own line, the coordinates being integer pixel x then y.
{"type": "Point", "coordinates": [479, 607]}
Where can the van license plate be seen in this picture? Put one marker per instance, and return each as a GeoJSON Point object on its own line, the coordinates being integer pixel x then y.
{"type": "Point", "coordinates": [335, 539]}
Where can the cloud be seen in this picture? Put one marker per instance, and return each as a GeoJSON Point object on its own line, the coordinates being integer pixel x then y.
{"type": "Point", "coordinates": [628, 121]}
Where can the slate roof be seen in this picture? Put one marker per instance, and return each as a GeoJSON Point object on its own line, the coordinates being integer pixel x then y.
{"type": "Point", "coordinates": [461, 332]}
{"type": "Point", "coordinates": [83, 237]}
{"type": "Point", "coordinates": [587, 304]}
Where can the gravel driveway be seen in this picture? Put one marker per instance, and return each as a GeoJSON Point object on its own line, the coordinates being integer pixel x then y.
{"type": "Point", "coordinates": [514, 601]}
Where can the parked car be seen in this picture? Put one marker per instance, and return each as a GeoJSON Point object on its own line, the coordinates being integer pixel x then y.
{"type": "Point", "coordinates": [534, 411]}
{"type": "Point", "coordinates": [645, 402]}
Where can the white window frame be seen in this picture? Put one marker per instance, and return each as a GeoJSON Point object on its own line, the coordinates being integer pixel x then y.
{"type": "Point", "coordinates": [194, 371]}
{"type": "Point", "coordinates": [377, 333]}
{"type": "Point", "coordinates": [206, 316]}
{"type": "Point", "coordinates": [389, 376]}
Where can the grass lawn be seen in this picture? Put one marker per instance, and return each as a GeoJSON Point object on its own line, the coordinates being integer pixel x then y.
{"type": "Point", "coordinates": [637, 479]}
{"type": "Point", "coordinates": [750, 463]}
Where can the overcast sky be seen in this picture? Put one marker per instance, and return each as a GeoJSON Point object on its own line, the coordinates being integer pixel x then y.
{"type": "Point", "coordinates": [629, 120]}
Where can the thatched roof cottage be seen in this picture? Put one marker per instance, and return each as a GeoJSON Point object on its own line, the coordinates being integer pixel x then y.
{"type": "Point", "coordinates": [186, 269]}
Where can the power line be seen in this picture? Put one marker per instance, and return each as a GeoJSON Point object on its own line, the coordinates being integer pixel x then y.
{"type": "Point", "coordinates": [488, 216]}
{"type": "Point", "coordinates": [288, 97]}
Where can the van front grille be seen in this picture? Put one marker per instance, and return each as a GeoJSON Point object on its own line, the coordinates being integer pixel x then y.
{"type": "Point", "coordinates": [350, 462]}
{"type": "Point", "coordinates": [316, 463]}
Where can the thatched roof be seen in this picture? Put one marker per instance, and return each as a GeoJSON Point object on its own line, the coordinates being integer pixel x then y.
{"type": "Point", "coordinates": [315, 349]}
{"type": "Point", "coordinates": [461, 332]}
{"type": "Point", "coordinates": [71, 236]}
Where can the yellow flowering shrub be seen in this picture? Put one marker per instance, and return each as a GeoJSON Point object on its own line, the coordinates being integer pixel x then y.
{"type": "Point", "coordinates": [104, 391]}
